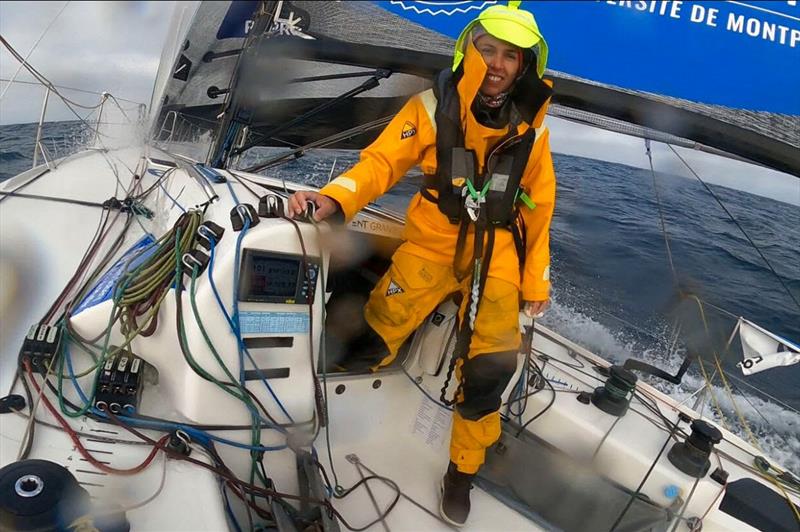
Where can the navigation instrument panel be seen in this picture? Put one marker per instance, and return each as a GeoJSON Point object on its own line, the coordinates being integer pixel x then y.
{"type": "Point", "coordinates": [270, 277]}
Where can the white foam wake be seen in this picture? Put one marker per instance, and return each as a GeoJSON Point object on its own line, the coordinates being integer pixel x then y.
{"type": "Point", "coordinates": [776, 427]}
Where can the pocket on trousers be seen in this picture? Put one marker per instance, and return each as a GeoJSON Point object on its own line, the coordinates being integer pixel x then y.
{"type": "Point", "coordinates": [502, 295]}
{"type": "Point", "coordinates": [497, 326]}
{"type": "Point", "coordinates": [407, 290]}
{"type": "Point", "coordinates": [416, 273]}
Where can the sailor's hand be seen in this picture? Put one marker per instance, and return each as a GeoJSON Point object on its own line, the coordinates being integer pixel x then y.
{"type": "Point", "coordinates": [325, 206]}
{"type": "Point", "coordinates": [535, 309]}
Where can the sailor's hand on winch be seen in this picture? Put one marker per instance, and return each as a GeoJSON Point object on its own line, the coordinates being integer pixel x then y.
{"type": "Point", "coordinates": [325, 206]}
{"type": "Point", "coordinates": [535, 309]}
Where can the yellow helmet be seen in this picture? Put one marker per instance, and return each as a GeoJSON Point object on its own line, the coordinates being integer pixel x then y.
{"type": "Point", "coordinates": [510, 24]}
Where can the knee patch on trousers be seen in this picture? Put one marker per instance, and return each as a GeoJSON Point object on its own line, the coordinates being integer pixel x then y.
{"type": "Point", "coordinates": [484, 379]}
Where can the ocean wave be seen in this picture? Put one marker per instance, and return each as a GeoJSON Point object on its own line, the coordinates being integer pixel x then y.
{"type": "Point", "coordinates": [776, 427]}
{"type": "Point", "coordinates": [8, 156]}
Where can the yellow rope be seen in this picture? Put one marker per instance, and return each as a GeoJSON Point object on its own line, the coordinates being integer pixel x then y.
{"type": "Point", "coordinates": [713, 395]}
{"type": "Point", "coordinates": [739, 414]}
{"type": "Point", "coordinates": [85, 523]}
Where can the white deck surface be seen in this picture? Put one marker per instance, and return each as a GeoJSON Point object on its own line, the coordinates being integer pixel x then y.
{"type": "Point", "coordinates": [392, 429]}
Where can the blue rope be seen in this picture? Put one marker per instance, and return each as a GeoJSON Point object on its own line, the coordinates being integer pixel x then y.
{"type": "Point", "coordinates": [233, 194]}
{"type": "Point", "coordinates": [174, 201]}
{"type": "Point", "coordinates": [517, 395]}
{"type": "Point", "coordinates": [228, 508]}
{"type": "Point", "coordinates": [237, 332]}
{"type": "Point", "coordinates": [196, 434]}
{"type": "Point", "coordinates": [235, 313]}
{"type": "Point", "coordinates": [225, 145]}
{"type": "Point", "coordinates": [68, 356]}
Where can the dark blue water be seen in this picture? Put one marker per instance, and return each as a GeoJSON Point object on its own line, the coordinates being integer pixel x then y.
{"type": "Point", "coordinates": [17, 141]}
{"type": "Point", "coordinates": [613, 288]}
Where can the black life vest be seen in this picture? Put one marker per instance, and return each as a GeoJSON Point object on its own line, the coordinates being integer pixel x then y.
{"type": "Point", "coordinates": [503, 168]}
{"type": "Point", "coordinates": [457, 182]}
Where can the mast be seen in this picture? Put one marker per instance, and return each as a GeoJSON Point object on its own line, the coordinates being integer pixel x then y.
{"type": "Point", "coordinates": [237, 118]}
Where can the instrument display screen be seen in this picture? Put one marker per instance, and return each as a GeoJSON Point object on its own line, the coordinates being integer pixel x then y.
{"type": "Point", "coordinates": [270, 277]}
{"type": "Point", "coordinates": [273, 277]}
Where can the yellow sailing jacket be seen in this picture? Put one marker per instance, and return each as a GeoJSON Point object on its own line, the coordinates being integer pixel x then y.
{"type": "Point", "coordinates": [410, 139]}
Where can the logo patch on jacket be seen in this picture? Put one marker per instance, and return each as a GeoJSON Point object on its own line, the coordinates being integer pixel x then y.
{"type": "Point", "coordinates": [394, 289]}
{"type": "Point", "coordinates": [409, 130]}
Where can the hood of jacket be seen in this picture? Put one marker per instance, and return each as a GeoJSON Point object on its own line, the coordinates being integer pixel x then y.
{"type": "Point", "coordinates": [528, 96]}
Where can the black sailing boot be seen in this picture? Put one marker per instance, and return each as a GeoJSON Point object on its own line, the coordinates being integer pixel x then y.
{"type": "Point", "coordinates": [454, 507]}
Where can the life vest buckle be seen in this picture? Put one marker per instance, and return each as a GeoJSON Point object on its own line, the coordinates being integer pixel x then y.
{"type": "Point", "coordinates": [473, 199]}
{"type": "Point", "coordinates": [473, 207]}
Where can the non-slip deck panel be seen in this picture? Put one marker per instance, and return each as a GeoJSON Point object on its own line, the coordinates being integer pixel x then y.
{"type": "Point", "coordinates": [754, 503]}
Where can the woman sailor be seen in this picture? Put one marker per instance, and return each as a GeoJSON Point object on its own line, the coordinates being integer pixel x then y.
{"type": "Point", "coordinates": [479, 226]}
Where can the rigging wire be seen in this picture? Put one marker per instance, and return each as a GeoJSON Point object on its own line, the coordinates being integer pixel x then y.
{"type": "Point", "coordinates": [100, 235]}
{"type": "Point", "coordinates": [518, 394]}
{"type": "Point", "coordinates": [370, 84]}
{"type": "Point", "coordinates": [27, 438]}
{"type": "Point", "coordinates": [638, 491]}
{"type": "Point", "coordinates": [771, 397]}
{"type": "Point", "coordinates": [152, 497]}
{"type": "Point", "coordinates": [540, 373]}
{"type": "Point", "coordinates": [83, 91]}
{"type": "Point", "coordinates": [719, 370]}
{"type": "Point", "coordinates": [742, 420]}
{"type": "Point", "coordinates": [94, 436]}
{"type": "Point", "coordinates": [733, 219]}
{"type": "Point", "coordinates": [44, 81]}
{"type": "Point", "coordinates": [33, 48]}
{"type": "Point", "coordinates": [322, 143]}
{"type": "Point", "coordinates": [686, 505]}
{"type": "Point", "coordinates": [256, 490]}
{"type": "Point", "coordinates": [51, 87]}
{"type": "Point", "coordinates": [134, 207]}
{"type": "Point", "coordinates": [88, 255]}
{"type": "Point", "coordinates": [671, 262]}
{"type": "Point", "coordinates": [661, 214]}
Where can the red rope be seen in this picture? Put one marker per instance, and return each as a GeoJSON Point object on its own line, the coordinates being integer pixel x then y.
{"type": "Point", "coordinates": [76, 440]}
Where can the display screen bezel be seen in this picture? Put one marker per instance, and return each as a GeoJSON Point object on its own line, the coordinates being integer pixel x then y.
{"type": "Point", "coordinates": [249, 256]}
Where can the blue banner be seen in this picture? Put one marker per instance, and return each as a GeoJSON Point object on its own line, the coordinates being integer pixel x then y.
{"type": "Point", "coordinates": [744, 55]}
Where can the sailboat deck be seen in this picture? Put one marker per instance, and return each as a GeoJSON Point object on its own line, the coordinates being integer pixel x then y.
{"type": "Point", "coordinates": [396, 432]}
{"type": "Point", "coordinates": [380, 424]}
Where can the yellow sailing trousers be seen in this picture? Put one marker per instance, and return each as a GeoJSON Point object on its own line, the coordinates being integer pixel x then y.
{"type": "Point", "coordinates": [406, 295]}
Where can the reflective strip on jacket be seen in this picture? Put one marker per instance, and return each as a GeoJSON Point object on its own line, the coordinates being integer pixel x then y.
{"type": "Point", "coordinates": [410, 140]}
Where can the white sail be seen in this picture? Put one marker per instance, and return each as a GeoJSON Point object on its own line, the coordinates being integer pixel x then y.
{"type": "Point", "coordinates": [763, 349]}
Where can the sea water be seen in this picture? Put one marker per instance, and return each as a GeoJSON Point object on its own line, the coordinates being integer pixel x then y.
{"type": "Point", "coordinates": [614, 290]}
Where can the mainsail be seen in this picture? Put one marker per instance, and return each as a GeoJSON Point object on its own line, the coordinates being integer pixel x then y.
{"type": "Point", "coordinates": [300, 56]}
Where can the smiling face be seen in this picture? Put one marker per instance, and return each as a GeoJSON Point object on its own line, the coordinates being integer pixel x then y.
{"type": "Point", "coordinates": [503, 61]}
